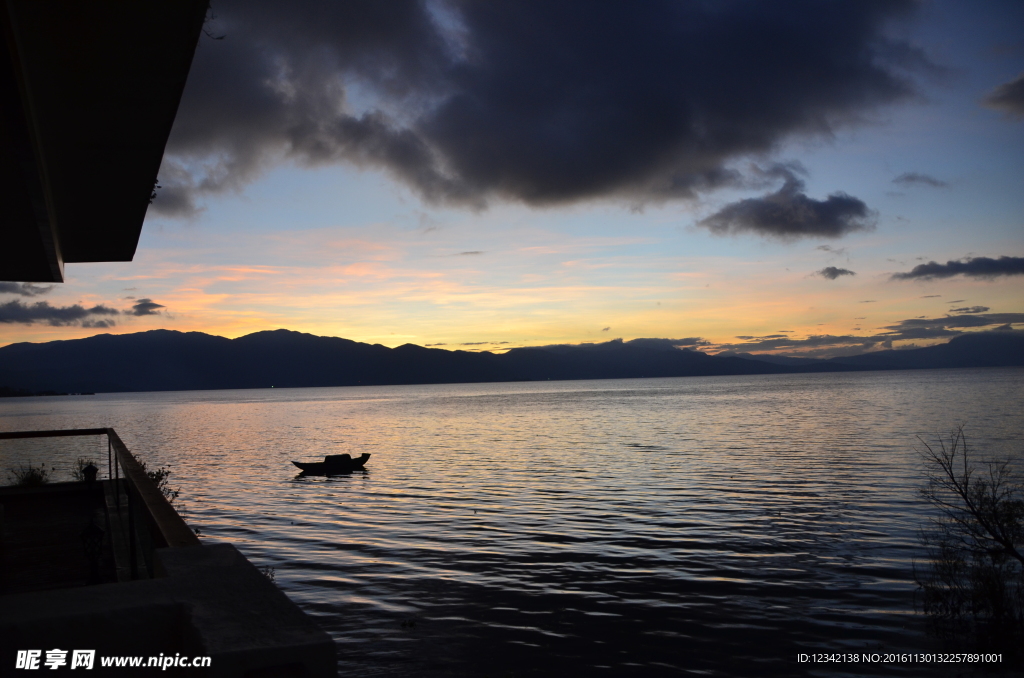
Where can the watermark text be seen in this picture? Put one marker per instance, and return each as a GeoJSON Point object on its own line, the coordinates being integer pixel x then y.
{"type": "Point", "coordinates": [34, 660]}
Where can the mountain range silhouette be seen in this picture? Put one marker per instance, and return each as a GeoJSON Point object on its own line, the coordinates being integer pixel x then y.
{"type": "Point", "coordinates": [168, 360]}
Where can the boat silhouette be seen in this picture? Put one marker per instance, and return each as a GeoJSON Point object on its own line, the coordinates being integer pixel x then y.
{"type": "Point", "coordinates": [332, 464]}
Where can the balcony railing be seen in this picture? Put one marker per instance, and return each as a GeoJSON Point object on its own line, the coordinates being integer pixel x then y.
{"type": "Point", "coordinates": [152, 521]}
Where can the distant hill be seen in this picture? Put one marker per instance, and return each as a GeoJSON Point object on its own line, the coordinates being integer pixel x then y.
{"type": "Point", "coordinates": [167, 360]}
{"type": "Point", "coordinates": [980, 349]}
{"type": "Point", "coordinates": [775, 359]}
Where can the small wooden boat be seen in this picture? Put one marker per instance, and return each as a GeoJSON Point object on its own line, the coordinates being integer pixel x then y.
{"type": "Point", "coordinates": [333, 464]}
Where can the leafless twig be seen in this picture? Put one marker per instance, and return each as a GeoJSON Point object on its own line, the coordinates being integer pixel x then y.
{"type": "Point", "coordinates": [974, 582]}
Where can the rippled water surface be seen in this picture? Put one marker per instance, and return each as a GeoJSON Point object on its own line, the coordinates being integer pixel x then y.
{"type": "Point", "coordinates": [632, 527]}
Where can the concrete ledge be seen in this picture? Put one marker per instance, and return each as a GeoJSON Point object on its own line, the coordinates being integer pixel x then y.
{"type": "Point", "coordinates": [241, 618]}
{"type": "Point", "coordinates": [210, 601]}
{"type": "Point", "coordinates": [47, 488]}
{"type": "Point", "coordinates": [91, 618]}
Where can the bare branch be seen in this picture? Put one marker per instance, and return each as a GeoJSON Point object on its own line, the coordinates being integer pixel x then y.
{"type": "Point", "coordinates": [975, 578]}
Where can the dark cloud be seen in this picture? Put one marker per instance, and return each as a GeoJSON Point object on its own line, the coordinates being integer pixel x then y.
{"type": "Point", "coordinates": [43, 313]}
{"type": "Point", "coordinates": [828, 345]}
{"type": "Point", "coordinates": [931, 296]}
{"type": "Point", "coordinates": [605, 329]}
{"type": "Point", "coordinates": [915, 178]}
{"type": "Point", "coordinates": [544, 103]}
{"type": "Point", "coordinates": [688, 342]}
{"type": "Point", "coordinates": [831, 272]}
{"type": "Point", "coordinates": [145, 307]}
{"type": "Point", "coordinates": [789, 213]}
{"type": "Point", "coordinates": [949, 326]}
{"type": "Point", "coordinates": [970, 309]}
{"type": "Point", "coordinates": [976, 267]}
{"type": "Point", "coordinates": [1008, 97]}
{"type": "Point", "coordinates": [470, 253]}
{"type": "Point", "coordinates": [24, 289]}
{"type": "Point", "coordinates": [656, 344]}
{"type": "Point", "coordinates": [777, 342]}
{"type": "Point", "coordinates": [958, 321]}
{"type": "Point", "coordinates": [98, 324]}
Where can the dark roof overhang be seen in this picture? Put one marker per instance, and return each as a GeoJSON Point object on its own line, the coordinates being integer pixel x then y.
{"type": "Point", "coordinates": [88, 94]}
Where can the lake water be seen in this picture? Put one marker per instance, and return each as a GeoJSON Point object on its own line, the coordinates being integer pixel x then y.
{"type": "Point", "coordinates": [643, 527]}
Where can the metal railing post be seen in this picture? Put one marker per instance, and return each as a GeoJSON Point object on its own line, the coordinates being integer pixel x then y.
{"type": "Point", "coordinates": [110, 458]}
{"type": "Point", "coordinates": [131, 536]}
{"type": "Point", "coordinates": [117, 482]}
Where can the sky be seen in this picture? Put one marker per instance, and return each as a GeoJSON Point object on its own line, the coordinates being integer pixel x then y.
{"type": "Point", "coordinates": [803, 178]}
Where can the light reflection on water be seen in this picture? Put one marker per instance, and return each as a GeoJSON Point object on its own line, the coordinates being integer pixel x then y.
{"type": "Point", "coordinates": [622, 527]}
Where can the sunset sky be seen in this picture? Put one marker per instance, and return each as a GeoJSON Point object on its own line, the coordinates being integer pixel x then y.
{"type": "Point", "coordinates": [490, 175]}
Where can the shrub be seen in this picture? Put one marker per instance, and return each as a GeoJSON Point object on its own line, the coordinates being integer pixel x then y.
{"type": "Point", "coordinates": [160, 479]}
{"type": "Point", "coordinates": [973, 585]}
{"type": "Point", "coordinates": [78, 472]}
{"type": "Point", "coordinates": [29, 476]}
{"type": "Point", "coordinates": [269, 572]}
